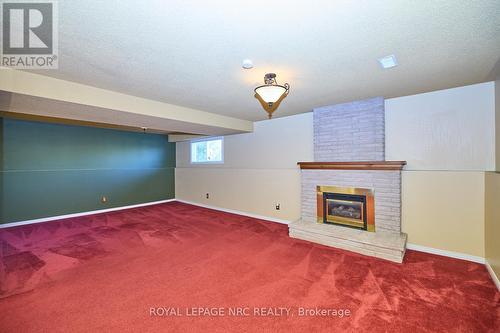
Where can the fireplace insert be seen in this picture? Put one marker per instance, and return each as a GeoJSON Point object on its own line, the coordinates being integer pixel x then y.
{"type": "Point", "coordinates": [349, 207]}
{"type": "Point", "coordinates": [345, 209]}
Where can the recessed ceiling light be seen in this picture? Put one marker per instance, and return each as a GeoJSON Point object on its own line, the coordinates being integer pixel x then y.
{"type": "Point", "coordinates": [247, 64]}
{"type": "Point", "coordinates": [388, 61]}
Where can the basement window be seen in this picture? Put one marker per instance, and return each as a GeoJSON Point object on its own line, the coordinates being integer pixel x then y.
{"type": "Point", "coordinates": [207, 150]}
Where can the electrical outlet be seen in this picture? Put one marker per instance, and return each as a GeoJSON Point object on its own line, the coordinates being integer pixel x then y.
{"type": "Point", "coordinates": [104, 199]}
{"type": "Point", "coordinates": [277, 206]}
{"type": "Point", "coordinates": [207, 195]}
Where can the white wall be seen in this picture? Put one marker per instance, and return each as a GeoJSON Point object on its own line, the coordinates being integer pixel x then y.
{"type": "Point", "coordinates": [260, 169]}
{"type": "Point", "coordinates": [443, 130]}
{"type": "Point", "coordinates": [274, 144]}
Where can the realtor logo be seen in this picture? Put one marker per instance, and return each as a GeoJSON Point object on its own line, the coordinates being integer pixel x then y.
{"type": "Point", "coordinates": [29, 35]}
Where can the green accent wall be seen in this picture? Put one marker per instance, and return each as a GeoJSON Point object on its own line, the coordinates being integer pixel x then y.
{"type": "Point", "coordinates": [51, 169]}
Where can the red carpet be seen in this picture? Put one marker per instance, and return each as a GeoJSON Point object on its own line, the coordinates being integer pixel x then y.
{"type": "Point", "coordinates": [104, 272]}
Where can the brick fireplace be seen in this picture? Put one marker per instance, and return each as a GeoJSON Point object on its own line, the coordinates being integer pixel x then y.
{"type": "Point", "coordinates": [351, 196]}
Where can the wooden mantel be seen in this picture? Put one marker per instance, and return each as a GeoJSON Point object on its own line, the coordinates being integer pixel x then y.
{"type": "Point", "coordinates": [365, 165]}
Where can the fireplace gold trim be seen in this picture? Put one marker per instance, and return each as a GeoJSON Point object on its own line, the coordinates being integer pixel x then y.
{"type": "Point", "coordinates": [345, 190]}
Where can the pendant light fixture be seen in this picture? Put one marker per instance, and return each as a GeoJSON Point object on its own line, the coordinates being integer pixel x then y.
{"type": "Point", "coordinates": [271, 93]}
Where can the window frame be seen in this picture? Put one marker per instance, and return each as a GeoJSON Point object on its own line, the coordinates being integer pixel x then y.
{"type": "Point", "coordinates": [214, 138]}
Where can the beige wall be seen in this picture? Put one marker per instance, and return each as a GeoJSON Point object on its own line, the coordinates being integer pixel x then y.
{"type": "Point", "coordinates": [259, 170]}
{"type": "Point", "coordinates": [253, 191]}
{"type": "Point", "coordinates": [443, 130]}
{"type": "Point", "coordinates": [444, 210]}
{"type": "Point", "coordinates": [492, 218]}
{"type": "Point", "coordinates": [260, 167]}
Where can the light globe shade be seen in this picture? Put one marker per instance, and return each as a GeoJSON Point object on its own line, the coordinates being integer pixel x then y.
{"type": "Point", "coordinates": [270, 93]}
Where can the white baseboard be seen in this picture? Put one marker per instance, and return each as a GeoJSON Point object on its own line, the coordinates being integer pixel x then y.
{"type": "Point", "coordinates": [445, 253]}
{"type": "Point", "coordinates": [232, 211]}
{"type": "Point", "coordinates": [60, 217]}
{"type": "Point", "coordinates": [494, 277]}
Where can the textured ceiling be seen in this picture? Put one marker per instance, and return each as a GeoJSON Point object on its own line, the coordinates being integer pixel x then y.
{"type": "Point", "coordinates": [189, 52]}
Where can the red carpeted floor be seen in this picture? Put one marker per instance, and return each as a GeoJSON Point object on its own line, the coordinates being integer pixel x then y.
{"type": "Point", "coordinates": [106, 272]}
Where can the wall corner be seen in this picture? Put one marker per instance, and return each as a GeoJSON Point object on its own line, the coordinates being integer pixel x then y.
{"type": "Point", "coordinates": [497, 123]}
